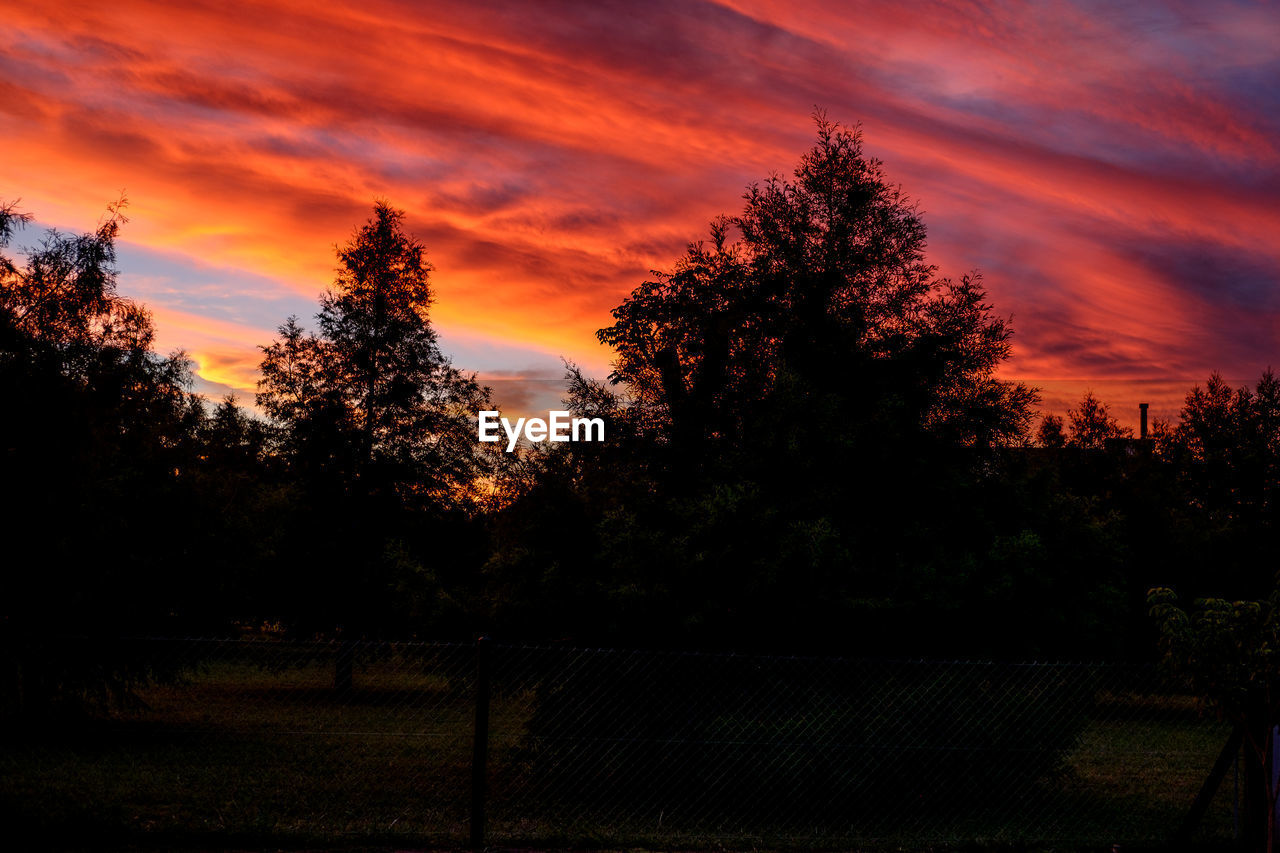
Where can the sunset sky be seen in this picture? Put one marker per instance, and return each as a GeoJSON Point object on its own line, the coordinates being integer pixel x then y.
{"type": "Point", "coordinates": [1113, 170]}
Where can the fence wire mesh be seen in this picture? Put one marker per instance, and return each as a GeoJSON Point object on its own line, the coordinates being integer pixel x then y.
{"type": "Point", "coordinates": [270, 739]}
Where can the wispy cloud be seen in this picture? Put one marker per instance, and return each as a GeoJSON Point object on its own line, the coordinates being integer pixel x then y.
{"type": "Point", "coordinates": [1113, 172]}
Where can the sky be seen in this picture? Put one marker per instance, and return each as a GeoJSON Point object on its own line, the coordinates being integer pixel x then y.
{"type": "Point", "coordinates": [1111, 169]}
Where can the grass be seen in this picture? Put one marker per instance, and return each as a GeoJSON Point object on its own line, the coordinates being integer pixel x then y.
{"type": "Point", "coordinates": [241, 750]}
{"type": "Point", "coordinates": [246, 752]}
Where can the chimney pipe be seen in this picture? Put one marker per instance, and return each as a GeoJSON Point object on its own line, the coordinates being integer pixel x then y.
{"type": "Point", "coordinates": [1142, 407]}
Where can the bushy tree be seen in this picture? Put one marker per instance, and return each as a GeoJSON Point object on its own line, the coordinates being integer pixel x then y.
{"type": "Point", "coordinates": [1225, 454]}
{"type": "Point", "coordinates": [1228, 444]}
{"type": "Point", "coordinates": [396, 410]}
{"type": "Point", "coordinates": [825, 301]}
{"type": "Point", "coordinates": [806, 421]}
{"type": "Point", "coordinates": [1229, 653]}
{"type": "Point", "coordinates": [1090, 425]}
{"type": "Point", "coordinates": [98, 432]}
{"type": "Point", "coordinates": [99, 437]}
{"type": "Point", "coordinates": [377, 432]}
{"type": "Point", "coordinates": [1052, 432]}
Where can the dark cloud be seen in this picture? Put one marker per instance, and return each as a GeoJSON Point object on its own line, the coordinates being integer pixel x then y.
{"type": "Point", "coordinates": [1233, 279]}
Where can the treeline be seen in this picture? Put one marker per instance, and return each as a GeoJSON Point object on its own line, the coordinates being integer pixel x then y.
{"type": "Point", "coordinates": [807, 449]}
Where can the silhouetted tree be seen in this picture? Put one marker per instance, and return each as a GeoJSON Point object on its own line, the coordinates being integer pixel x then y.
{"type": "Point", "coordinates": [1090, 424]}
{"type": "Point", "coordinates": [1228, 441]}
{"type": "Point", "coordinates": [1225, 452]}
{"type": "Point", "coordinates": [828, 285]}
{"type": "Point", "coordinates": [804, 422]}
{"type": "Point", "coordinates": [378, 430]}
{"type": "Point", "coordinates": [375, 372]}
{"type": "Point", "coordinates": [1225, 519]}
{"type": "Point", "coordinates": [98, 438]}
{"type": "Point", "coordinates": [1052, 432]}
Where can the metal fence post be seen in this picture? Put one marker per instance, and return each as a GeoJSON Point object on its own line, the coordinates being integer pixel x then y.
{"type": "Point", "coordinates": [480, 743]}
{"type": "Point", "coordinates": [1230, 753]}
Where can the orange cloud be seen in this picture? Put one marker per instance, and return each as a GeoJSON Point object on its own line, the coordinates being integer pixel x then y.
{"type": "Point", "coordinates": [551, 156]}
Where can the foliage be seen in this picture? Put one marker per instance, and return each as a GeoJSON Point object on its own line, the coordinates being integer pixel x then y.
{"type": "Point", "coordinates": [1228, 650]}
{"type": "Point", "coordinates": [807, 436]}
{"type": "Point", "coordinates": [376, 432]}
{"type": "Point", "coordinates": [1052, 432]}
{"type": "Point", "coordinates": [372, 389]}
{"type": "Point", "coordinates": [826, 289]}
{"type": "Point", "coordinates": [808, 445]}
{"type": "Point", "coordinates": [99, 438]}
{"type": "Point", "coordinates": [1228, 444]}
{"type": "Point", "coordinates": [1091, 425]}
{"type": "Point", "coordinates": [1229, 653]}
{"type": "Point", "coordinates": [1223, 457]}
{"type": "Point", "coordinates": [99, 432]}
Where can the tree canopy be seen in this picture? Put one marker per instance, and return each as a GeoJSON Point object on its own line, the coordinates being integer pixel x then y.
{"type": "Point", "coordinates": [804, 420]}
{"type": "Point", "coordinates": [809, 446]}
{"type": "Point", "coordinates": [825, 302]}
{"type": "Point", "coordinates": [394, 412]}
{"type": "Point", "coordinates": [376, 429]}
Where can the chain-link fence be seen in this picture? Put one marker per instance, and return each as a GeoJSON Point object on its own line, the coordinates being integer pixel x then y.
{"type": "Point", "coordinates": [272, 740]}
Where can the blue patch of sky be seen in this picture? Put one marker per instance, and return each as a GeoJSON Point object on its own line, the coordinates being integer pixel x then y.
{"type": "Point", "coordinates": [245, 298]}
{"type": "Point", "coordinates": [219, 293]}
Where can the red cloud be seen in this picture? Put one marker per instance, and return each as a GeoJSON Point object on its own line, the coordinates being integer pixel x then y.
{"type": "Point", "coordinates": [550, 157]}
